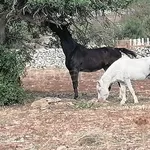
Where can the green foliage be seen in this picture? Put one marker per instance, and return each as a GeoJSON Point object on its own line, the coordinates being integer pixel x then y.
{"type": "Point", "coordinates": [133, 29]}
{"type": "Point", "coordinates": [14, 55]}
{"type": "Point", "coordinates": [12, 64]}
{"type": "Point", "coordinates": [23, 31]}
{"type": "Point", "coordinates": [83, 105]}
{"type": "Point", "coordinates": [11, 93]}
{"type": "Point", "coordinates": [137, 23]}
{"type": "Point", "coordinates": [75, 4]}
{"type": "Point", "coordinates": [60, 10]}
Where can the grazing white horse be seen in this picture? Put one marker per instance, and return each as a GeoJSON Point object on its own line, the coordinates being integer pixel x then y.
{"type": "Point", "coordinates": [123, 70]}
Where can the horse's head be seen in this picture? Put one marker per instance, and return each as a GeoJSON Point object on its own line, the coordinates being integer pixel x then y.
{"type": "Point", "coordinates": [103, 92]}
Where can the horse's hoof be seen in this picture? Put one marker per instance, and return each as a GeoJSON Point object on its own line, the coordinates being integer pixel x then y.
{"type": "Point", "coordinates": [122, 104]}
{"type": "Point", "coordinates": [120, 97]}
{"type": "Point", "coordinates": [75, 97]}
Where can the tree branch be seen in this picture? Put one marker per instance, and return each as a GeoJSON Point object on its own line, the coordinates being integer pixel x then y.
{"type": "Point", "coordinates": [20, 4]}
{"type": "Point", "coordinates": [3, 22]}
{"type": "Point", "coordinates": [12, 10]}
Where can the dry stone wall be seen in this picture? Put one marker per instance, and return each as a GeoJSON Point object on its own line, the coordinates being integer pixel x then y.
{"type": "Point", "coordinates": [54, 57]}
{"type": "Point", "coordinates": [45, 58]}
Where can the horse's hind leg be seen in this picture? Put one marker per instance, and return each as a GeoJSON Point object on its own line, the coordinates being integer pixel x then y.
{"type": "Point", "coordinates": [123, 93]}
{"type": "Point", "coordinates": [128, 82]}
{"type": "Point", "coordinates": [74, 76]}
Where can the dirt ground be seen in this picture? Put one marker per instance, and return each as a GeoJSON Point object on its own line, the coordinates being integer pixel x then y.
{"type": "Point", "coordinates": [77, 125]}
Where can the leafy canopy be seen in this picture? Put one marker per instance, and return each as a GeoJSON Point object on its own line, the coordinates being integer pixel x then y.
{"type": "Point", "coordinates": [59, 10]}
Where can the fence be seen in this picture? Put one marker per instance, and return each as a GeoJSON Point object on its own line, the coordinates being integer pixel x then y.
{"type": "Point", "coordinates": [133, 43]}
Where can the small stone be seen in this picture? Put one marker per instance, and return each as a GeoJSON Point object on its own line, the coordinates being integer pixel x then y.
{"type": "Point", "coordinates": [52, 99]}
{"type": "Point", "coordinates": [40, 104]}
{"type": "Point", "coordinates": [70, 104]}
{"type": "Point", "coordinates": [62, 148]}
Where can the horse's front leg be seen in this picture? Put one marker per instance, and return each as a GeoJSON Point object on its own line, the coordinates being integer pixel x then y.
{"type": "Point", "coordinates": [111, 85]}
{"type": "Point", "coordinates": [128, 82]}
{"type": "Point", "coordinates": [105, 68]}
{"type": "Point", "coordinates": [74, 76]}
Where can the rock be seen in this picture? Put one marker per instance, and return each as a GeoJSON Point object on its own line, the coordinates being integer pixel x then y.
{"type": "Point", "coordinates": [44, 103]}
{"type": "Point", "coordinates": [62, 148]}
{"type": "Point", "coordinates": [48, 57]}
{"type": "Point", "coordinates": [52, 100]}
{"type": "Point", "coordinates": [143, 52]}
{"type": "Point", "coordinates": [40, 104]}
{"type": "Point", "coordinates": [69, 104]}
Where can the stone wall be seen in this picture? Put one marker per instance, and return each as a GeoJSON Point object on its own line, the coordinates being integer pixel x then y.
{"type": "Point", "coordinates": [55, 58]}
{"type": "Point", "coordinates": [45, 58]}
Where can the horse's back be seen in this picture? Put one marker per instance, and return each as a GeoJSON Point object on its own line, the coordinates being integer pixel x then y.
{"type": "Point", "coordinates": [127, 64]}
{"type": "Point", "coordinates": [96, 59]}
{"type": "Point", "coordinates": [135, 69]}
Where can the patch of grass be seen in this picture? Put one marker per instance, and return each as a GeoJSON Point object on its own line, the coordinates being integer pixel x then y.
{"type": "Point", "coordinates": [84, 105]}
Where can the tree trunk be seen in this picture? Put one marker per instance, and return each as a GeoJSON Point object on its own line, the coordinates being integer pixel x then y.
{"type": "Point", "coordinates": [3, 21]}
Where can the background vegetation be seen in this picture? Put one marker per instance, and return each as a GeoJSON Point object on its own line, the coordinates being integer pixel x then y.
{"type": "Point", "coordinates": [136, 21]}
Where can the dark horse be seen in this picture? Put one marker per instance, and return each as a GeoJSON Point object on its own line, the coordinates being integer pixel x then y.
{"type": "Point", "coordinates": [79, 58]}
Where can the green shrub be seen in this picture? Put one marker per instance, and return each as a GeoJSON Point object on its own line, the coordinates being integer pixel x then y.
{"type": "Point", "coordinates": [133, 28]}
{"type": "Point", "coordinates": [12, 65]}
{"type": "Point", "coordinates": [136, 23]}
{"type": "Point", "coordinates": [11, 93]}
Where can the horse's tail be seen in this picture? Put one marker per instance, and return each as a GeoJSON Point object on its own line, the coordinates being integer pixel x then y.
{"type": "Point", "coordinates": [127, 52]}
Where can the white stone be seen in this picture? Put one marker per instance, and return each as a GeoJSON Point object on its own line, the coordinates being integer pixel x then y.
{"type": "Point", "coordinates": [40, 104]}
{"type": "Point", "coordinates": [62, 148]}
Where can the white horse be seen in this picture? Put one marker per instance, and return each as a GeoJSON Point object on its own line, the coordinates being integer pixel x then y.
{"type": "Point", "coordinates": [124, 70]}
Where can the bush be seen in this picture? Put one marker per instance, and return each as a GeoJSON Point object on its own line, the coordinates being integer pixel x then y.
{"type": "Point", "coordinates": [136, 23]}
{"type": "Point", "coordinates": [133, 28]}
{"type": "Point", "coordinates": [12, 65]}
{"type": "Point", "coordinates": [11, 93]}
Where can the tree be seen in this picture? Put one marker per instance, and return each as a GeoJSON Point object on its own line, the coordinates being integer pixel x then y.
{"type": "Point", "coordinates": [55, 11]}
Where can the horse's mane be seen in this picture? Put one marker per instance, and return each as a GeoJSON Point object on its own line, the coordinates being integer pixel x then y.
{"type": "Point", "coordinates": [81, 47]}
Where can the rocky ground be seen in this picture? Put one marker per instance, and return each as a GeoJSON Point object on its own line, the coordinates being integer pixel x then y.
{"type": "Point", "coordinates": [54, 123]}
